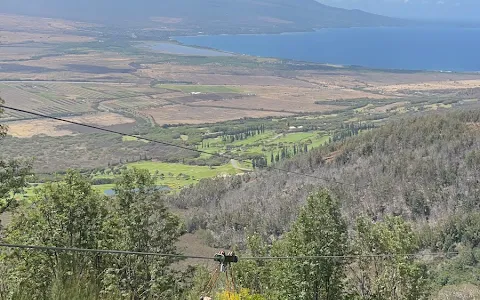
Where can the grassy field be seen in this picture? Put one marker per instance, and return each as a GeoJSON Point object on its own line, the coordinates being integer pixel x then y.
{"type": "Point", "coordinates": [265, 144]}
{"type": "Point", "coordinates": [133, 139]}
{"type": "Point", "coordinates": [175, 176]}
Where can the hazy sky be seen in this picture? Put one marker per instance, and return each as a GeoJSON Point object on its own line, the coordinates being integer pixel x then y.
{"type": "Point", "coordinates": [466, 10]}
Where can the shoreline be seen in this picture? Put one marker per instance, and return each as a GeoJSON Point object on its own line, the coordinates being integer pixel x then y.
{"type": "Point", "coordinates": [174, 40]}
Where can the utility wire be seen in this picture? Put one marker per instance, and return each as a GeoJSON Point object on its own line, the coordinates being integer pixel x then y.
{"type": "Point", "coordinates": [162, 143]}
{"type": "Point", "coordinates": [118, 252]}
{"type": "Point", "coordinates": [313, 257]}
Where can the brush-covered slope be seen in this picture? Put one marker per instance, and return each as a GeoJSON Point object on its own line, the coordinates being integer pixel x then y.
{"type": "Point", "coordinates": [423, 168]}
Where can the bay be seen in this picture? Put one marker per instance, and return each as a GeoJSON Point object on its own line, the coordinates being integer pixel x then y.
{"type": "Point", "coordinates": [434, 49]}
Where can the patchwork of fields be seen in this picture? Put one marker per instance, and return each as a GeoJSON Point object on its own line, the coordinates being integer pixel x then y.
{"type": "Point", "coordinates": [208, 103]}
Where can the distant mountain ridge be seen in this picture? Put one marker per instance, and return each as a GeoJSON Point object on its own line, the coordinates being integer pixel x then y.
{"type": "Point", "coordinates": [288, 14]}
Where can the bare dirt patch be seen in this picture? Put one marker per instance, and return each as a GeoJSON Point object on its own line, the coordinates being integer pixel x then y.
{"type": "Point", "coordinates": [30, 128]}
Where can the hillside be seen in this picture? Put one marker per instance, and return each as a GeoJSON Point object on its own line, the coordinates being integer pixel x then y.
{"type": "Point", "coordinates": [210, 15]}
{"type": "Point", "coordinates": [422, 168]}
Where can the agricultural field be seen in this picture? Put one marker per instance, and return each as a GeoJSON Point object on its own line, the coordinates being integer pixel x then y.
{"type": "Point", "coordinates": [208, 103]}
{"type": "Point", "coordinates": [53, 128]}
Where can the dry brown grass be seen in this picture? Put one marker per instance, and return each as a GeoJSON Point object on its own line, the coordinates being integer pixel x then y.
{"type": "Point", "coordinates": [287, 104]}
{"type": "Point", "coordinates": [10, 37]}
{"type": "Point", "coordinates": [430, 86]}
{"type": "Point", "coordinates": [26, 23]}
{"type": "Point", "coordinates": [20, 53]}
{"type": "Point", "coordinates": [182, 114]}
{"type": "Point", "coordinates": [93, 58]}
{"type": "Point", "coordinates": [371, 79]}
{"type": "Point", "coordinates": [30, 128]}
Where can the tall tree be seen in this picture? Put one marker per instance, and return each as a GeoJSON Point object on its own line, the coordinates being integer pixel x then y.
{"type": "Point", "coordinates": [64, 214]}
{"type": "Point", "coordinates": [318, 231]}
{"type": "Point", "coordinates": [13, 175]}
{"type": "Point", "coordinates": [144, 224]}
{"type": "Point", "coordinates": [395, 277]}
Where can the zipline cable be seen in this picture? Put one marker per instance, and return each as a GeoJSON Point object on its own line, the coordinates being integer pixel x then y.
{"type": "Point", "coordinates": [139, 253]}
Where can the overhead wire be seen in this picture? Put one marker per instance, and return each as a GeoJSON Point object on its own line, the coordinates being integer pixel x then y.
{"type": "Point", "coordinates": [100, 251]}
{"type": "Point", "coordinates": [180, 256]}
{"type": "Point", "coordinates": [164, 143]}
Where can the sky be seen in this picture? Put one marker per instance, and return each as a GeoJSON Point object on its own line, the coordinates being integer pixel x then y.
{"type": "Point", "coordinates": [458, 10]}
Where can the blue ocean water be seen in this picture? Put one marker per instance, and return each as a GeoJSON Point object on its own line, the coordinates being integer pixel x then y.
{"type": "Point", "coordinates": [438, 49]}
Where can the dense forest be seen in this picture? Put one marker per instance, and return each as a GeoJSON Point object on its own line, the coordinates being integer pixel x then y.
{"type": "Point", "coordinates": [389, 213]}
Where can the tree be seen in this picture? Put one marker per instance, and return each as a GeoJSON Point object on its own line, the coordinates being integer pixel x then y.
{"type": "Point", "coordinates": [13, 175]}
{"type": "Point", "coordinates": [64, 214]}
{"type": "Point", "coordinates": [143, 224]}
{"type": "Point", "coordinates": [255, 275]}
{"type": "Point", "coordinates": [318, 231]}
{"type": "Point", "coordinates": [395, 277]}
{"type": "Point", "coordinates": [72, 214]}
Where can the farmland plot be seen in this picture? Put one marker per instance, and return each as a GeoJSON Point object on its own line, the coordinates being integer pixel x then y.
{"type": "Point", "coordinates": [44, 102]}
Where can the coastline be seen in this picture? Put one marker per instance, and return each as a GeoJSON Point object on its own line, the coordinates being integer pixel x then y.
{"type": "Point", "coordinates": [175, 40]}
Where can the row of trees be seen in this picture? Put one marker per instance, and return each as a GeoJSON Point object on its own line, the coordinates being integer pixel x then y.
{"type": "Point", "coordinates": [286, 152]}
{"type": "Point", "coordinates": [349, 130]}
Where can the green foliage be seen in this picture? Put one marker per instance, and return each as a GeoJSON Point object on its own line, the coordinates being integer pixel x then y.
{"type": "Point", "coordinates": [142, 223]}
{"type": "Point", "coordinates": [395, 277]}
{"type": "Point", "coordinates": [464, 268]}
{"type": "Point", "coordinates": [71, 213]}
{"type": "Point", "coordinates": [65, 214]}
{"type": "Point", "coordinates": [13, 179]}
{"type": "Point", "coordinates": [457, 230]}
{"type": "Point", "coordinates": [13, 175]}
{"type": "Point", "coordinates": [255, 275]}
{"type": "Point", "coordinates": [318, 230]}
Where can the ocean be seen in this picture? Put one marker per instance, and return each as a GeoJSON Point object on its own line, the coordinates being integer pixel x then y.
{"type": "Point", "coordinates": [433, 49]}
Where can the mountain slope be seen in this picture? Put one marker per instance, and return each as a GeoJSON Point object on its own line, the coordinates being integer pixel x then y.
{"type": "Point", "coordinates": [422, 168]}
{"type": "Point", "coordinates": [289, 14]}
